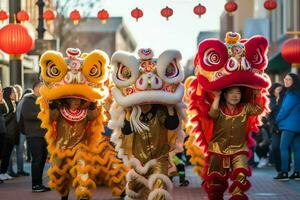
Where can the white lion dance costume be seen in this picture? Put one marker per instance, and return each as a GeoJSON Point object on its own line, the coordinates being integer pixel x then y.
{"type": "Point", "coordinates": [145, 129]}
{"type": "Point", "coordinates": [72, 111]}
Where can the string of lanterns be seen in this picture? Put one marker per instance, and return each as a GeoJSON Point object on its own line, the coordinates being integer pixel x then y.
{"type": "Point", "coordinates": [16, 35]}
{"type": "Point", "coordinates": [103, 15]}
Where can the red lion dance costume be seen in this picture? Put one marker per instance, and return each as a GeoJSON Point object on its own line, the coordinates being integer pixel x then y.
{"type": "Point", "coordinates": [218, 66]}
{"type": "Point", "coordinates": [72, 110]}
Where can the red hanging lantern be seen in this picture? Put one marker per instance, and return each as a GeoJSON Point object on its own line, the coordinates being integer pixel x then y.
{"type": "Point", "coordinates": [166, 12]}
{"type": "Point", "coordinates": [199, 10]}
{"type": "Point", "coordinates": [3, 15]}
{"type": "Point", "coordinates": [137, 13]}
{"type": "Point", "coordinates": [15, 39]}
{"type": "Point", "coordinates": [290, 51]}
{"type": "Point", "coordinates": [23, 16]}
{"type": "Point", "coordinates": [270, 5]}
{"type": "Point", "coordinates": [75, 16]}
{"type": "Point", "coordinates": [49, 15]}
{"type": "Point", "coordinates": [103, 16]}
{"type": "Point", "coordinates": [230, 7]}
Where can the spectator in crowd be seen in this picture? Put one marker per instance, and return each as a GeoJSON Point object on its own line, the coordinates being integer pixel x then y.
{"type": "Point", "coordinates": [288, 122]}
{"type": "Point", "coordinates": [276, 93]}
{"type": "Point", "coordinates": [262, 145]}
{"type": "Point", "coordinates": [19, 91]}
{"type": "Point", "coordinates": [11, 136]}
{"type": "Point", "coordinates": [19, 147]}
{"type": "Point", "coordinates": [2, 123]}
{"type": "Point", "coordinates": [35, 138]}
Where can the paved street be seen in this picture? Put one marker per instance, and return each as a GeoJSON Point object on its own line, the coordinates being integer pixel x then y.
{"type": "Point", "coordinates": [264, 188]}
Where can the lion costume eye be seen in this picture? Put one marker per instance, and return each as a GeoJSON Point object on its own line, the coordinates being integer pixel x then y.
{"type": "Point", "coordinates": [52, 69]}
{"type": "Point", "coordinates": [95, 70]}
{"type": "Point", "coordinates": [125, 69]}
{"type": "Point", "coordinates": [169, 68]}
{"type": "Point", "coordinates": [94, 65]}
{"type": "Point", "coordinates": [123, 72]}
{"type": "Point", "coordinates": [211, 57]}
{"type": "Point", "coordinates": [172, 70]}
{"type": "Point", "coordinates": [53, 66]}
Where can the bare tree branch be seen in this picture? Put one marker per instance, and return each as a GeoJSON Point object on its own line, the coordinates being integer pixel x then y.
{"type": "Point", "coordinates": [63, 7]}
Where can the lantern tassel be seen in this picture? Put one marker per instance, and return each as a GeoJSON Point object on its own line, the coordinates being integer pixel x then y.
{"type": "Point", "coordinates": [76, 22]}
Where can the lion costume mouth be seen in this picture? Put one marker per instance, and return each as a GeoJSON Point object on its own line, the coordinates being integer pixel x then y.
{"type": "Point", "coordinates": [241, 78]}
{"type": "Point", "coordinates": [74, 90]}
{"type": "Point", "coordinates": [149, 97]}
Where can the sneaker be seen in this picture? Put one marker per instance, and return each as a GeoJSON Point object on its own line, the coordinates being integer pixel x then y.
{"type": "Point", "coordinates": [8, 177]}
{"type": "Point", "coordinates": [46, 188]}
{"type": "Point", "coordinates": [3, 177]}
{"type": "Point", "coordinates": [184, 183]}
{"type": "Point", "coordinates": [282, 176]}
{"type": "Point", "coordinates": [40, 188]}
{"type": "Point", "coordinates": [263, 163]}
{"type": "Point", "coordinates": [12, 174]}
{"type": "Point", "coordinates": [295, 176]}
{"type": "Point", "coordinates": [23, 173]}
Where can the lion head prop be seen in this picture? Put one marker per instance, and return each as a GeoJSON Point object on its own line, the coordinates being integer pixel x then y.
{"type": "Point", "coordinates": [146, 80]}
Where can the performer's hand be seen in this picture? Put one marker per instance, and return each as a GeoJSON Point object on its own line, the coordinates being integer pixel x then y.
{"type": "Point", "coordinates": [216, 93]}
{"type": "Point", "coordinates": [170, 110]}
{"type": "Point", "coordinates": [92, 106]}
{"type": "Point", "coordinates": [55, 104]}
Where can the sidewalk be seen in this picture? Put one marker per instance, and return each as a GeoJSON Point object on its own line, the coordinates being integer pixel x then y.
{"type": "Point", "coordinates": [263, 188]}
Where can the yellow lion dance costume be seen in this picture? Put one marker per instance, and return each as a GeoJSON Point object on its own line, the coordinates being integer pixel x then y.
{"type": "Point", "coordinates": [72, 110]}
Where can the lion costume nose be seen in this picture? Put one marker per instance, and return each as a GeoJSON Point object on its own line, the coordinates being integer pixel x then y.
{"type": "Point", "coordinates": [149, 81]}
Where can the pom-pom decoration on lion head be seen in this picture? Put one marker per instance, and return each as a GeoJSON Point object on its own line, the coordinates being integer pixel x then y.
{"type": "Point", "coordinates": [147, 80]}
{"type": "Point", "coordinates": [80, 155]}
{"type": "Point", "coordinates": [218, 65]}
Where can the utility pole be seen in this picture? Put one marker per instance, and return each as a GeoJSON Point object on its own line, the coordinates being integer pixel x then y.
{"type": "Point", "coordinates": [15, 64]}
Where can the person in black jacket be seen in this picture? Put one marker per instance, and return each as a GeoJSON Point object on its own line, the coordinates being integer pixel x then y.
{"type": "Point", "coordinates": [2, 122]}
{"type": "Point", "coordinates": [11, 135]}
{"type": "Point", "coordinates": [35, 138]}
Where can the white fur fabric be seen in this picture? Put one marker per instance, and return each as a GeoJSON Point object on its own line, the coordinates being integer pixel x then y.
{"type": "Point", "coordinates": [165, 179]}
{"type": "Point", "coordinates": [163, 192]}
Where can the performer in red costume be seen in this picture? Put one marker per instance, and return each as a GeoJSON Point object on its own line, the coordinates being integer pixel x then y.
{"type": "Point", "coordinates": [228, 96]}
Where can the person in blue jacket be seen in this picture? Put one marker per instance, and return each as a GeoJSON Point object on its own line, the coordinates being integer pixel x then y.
{"type": "Point", "coordinates": [288, 121]}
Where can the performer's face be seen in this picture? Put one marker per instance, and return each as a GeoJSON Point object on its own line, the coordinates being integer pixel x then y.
{"type": "Point", "coordinates": [233, 96]}
{"type": "Point", "coordinates": [277, 91]}
{"type": "Point", "coordinates": [74, 103]}
{"type": "Point", "coordinates": [288, 81]}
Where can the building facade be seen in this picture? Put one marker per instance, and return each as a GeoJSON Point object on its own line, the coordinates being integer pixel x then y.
{"type": "Point", "coordinates": [252, 18]}
{"type": "Point", "coordinates": [91, 34]}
